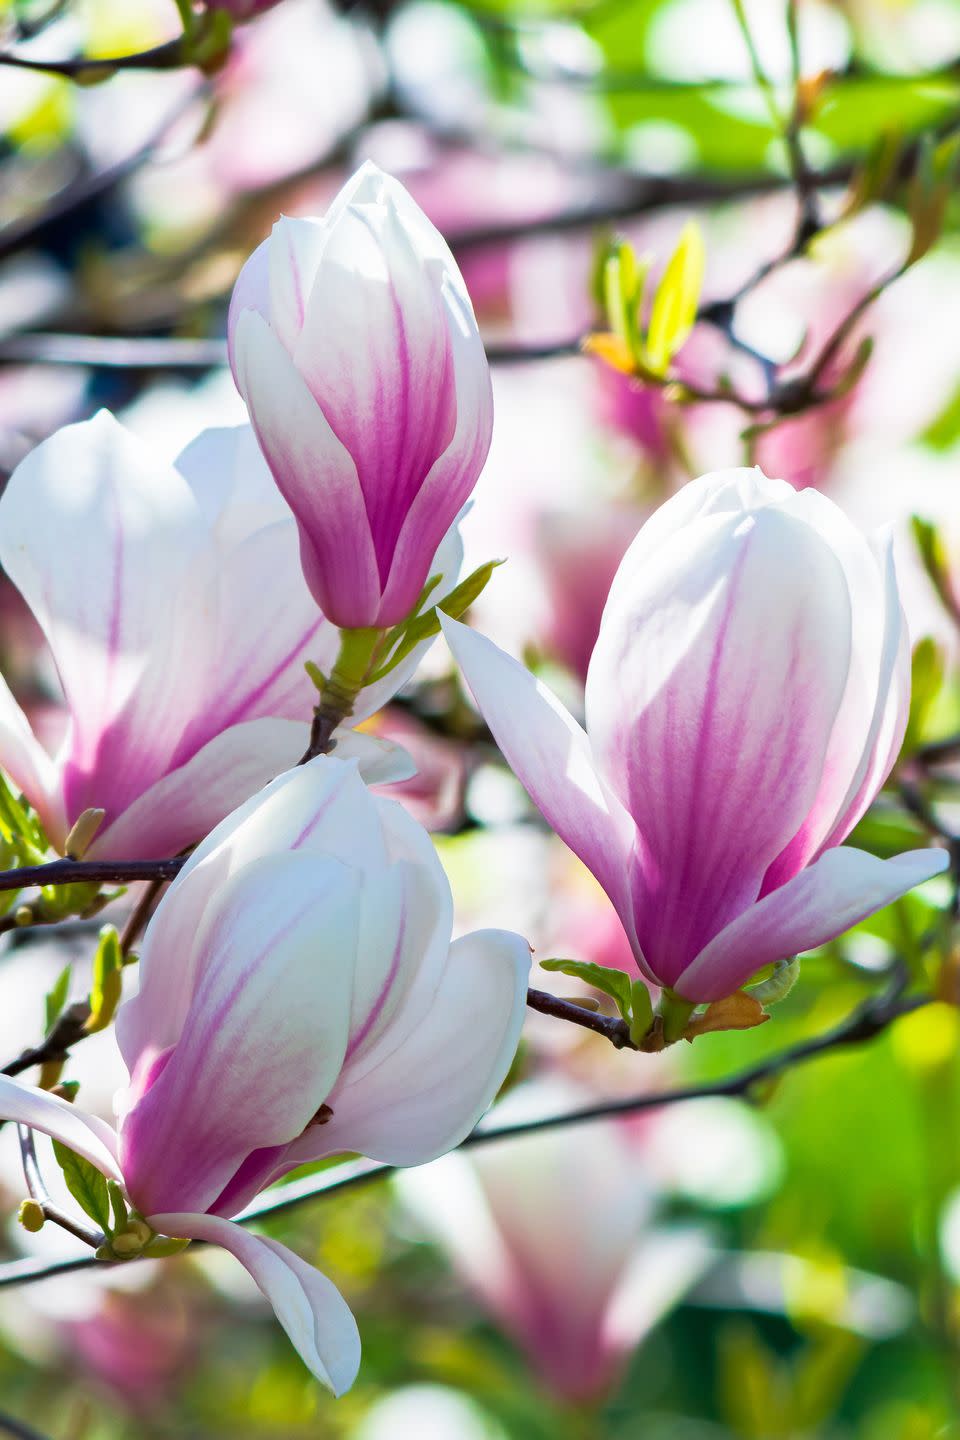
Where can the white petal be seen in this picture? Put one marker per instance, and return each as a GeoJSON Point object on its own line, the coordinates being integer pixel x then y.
{"type": "Point", "coordinates": [264, 1034]}
{"type": "Point", "coordinates": [322, 807]}
{"type": "Point", "coordinates": [427, 1095]}
{"type": "Point", "coordinates": [308, 1305]}
{"type": "Point", "coordinates": [85, 1134]}
{"type": "Point", "coordinates": [30, 767]}
{"type": "Point", "coordinates": [551, 756]}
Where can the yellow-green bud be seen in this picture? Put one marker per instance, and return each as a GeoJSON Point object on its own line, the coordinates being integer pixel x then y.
{"type": "Point", "coordinates": [31, 1216]}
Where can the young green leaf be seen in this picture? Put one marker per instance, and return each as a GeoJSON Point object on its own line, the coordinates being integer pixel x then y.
{"type": "Point", "coordinates": [85, 1183]}
{"type": "Point", "coordinates": [56, 998]}
{"type": "Point", "coordinates": [675, 303]}
{"type": "Point", "coordinates": [107, 985]}
{"type": "Point", "coordinates": [614, 983]}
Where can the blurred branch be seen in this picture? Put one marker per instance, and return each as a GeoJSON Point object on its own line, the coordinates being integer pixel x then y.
{"type": "Point", "coordinates": [10, 1425]}
{"type": "Point", "coordinates": [870, 1019]}
{"type": "Point", "coordinates": [69, 1030]}
{"type": "Point", "coordinates": [31, 229]}
{"type": "Point", "coordinates": [169, 56]}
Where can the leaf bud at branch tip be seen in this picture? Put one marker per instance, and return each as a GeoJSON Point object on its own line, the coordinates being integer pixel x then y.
{"type": "Point", "coordinates": [81, 835]}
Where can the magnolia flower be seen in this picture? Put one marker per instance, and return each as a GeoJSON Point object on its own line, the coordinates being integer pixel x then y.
{"type": "Point", "coordinates": [179, 624]}
{"type": "Point", "coordinates": [559, 1240]}
{"type": "Point", "coordinates": [299, 998]}
{"type": "Point", "coordinates": [745, 701]}
{"type": "Point", "coordinates": [354, 344]}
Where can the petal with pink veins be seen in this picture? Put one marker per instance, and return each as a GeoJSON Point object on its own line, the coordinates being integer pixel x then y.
{"type": "Point", "coordinates": [835, 892]}
{"type": "Point", "coordinates": [263, 1038]}
{"type": "Point", "coordinates": [308, 1305]}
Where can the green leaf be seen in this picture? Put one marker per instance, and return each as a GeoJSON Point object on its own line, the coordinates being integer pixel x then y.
{"type": "Point", "coordinates": [624, 278]}
{"type": "Point", "coordinates": [927, 672]}
{"type": "Point", "coordinates": [56, 998]}
{"type": "Point", "coordinates": [675, 303]}
{"type": "Point", "coordinates": [615, 983]}
{"type": "Point", "coordinates": [107, 985]}
{"type": "Point", "coordinates": [85, 1183]}
{"type": "Point", "coordinates": [943, 432]}
{"type": "Point", "coordinates": [933, 555]}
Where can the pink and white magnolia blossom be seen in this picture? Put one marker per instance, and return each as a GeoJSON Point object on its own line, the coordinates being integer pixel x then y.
{"type": "Point", "coordinates": [179, 623]}
{"type": "Point", "coordinates": [560, 1241]}
{"type": "Point", "coordinates": [299, 998]}
{"type": "Point", "coordinates": [354, 344]}
{"type": "Point", "coordinates": [745, 701]}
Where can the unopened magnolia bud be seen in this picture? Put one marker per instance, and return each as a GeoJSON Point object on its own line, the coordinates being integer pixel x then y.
{"type": "Point", "coordinates": [31, 1216]}
{"type": "Point", "coordinates": [81, 835]}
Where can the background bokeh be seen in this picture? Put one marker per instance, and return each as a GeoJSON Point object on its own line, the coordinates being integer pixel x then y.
{"type": "Point", "coordinates": [778, 1266]}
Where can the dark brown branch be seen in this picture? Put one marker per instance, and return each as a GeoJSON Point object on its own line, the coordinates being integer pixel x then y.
{"type": "Point", "coordinates": [68, 1030]}
{"type": "Point", "coordinates": [616, 1031]}
{"type": "Point", "coordinates": [867, 1021]}
{"type": "Point", "coordinates": [75, 872]}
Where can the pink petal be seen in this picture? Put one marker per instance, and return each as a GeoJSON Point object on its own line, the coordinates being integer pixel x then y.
{"type": "Point", "coordinates": [116, 576]}
{"type": "Point", "coordinates": [186, 803]}
{"type": "Point", "coordinates": [322, 808]}
{"type": "Point", "coordinates": [315, 473]}
{"type": "Point", "coordinates": [873, 714]}
{"type": "Point", "coordinates": [834, 893]}
{"type": "Point", "coordinates": [309, 1307]}
{"type": "Point", "coordinates": [264, 1036]}
{"type": "Point", "coordinates": [454, 473]}
{"type": "Point", "coordinates": [376, 355]}
{"type": "Point", "coordinates": [711, 697]}
{"type": "Point", "coordinates": [552, 758]}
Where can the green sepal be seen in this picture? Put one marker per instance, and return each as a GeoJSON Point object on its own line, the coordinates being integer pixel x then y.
{"type": "Point", "coordinates": [641, 1007]}
{"type": "Point", "coordinates": [414, 631]}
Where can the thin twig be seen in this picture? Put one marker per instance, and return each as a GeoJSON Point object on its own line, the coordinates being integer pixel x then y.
{"type": "Point", "coordinates": [69, 1030]}
{"type": "Point", "coordinates": [89, 1234]}
{"type": "Point", "coordinates": [139, 916]}
{"type": "Point", "coordinates": [867, 1021]}
{"type": "Point", "coordinates": [616, 1031]}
